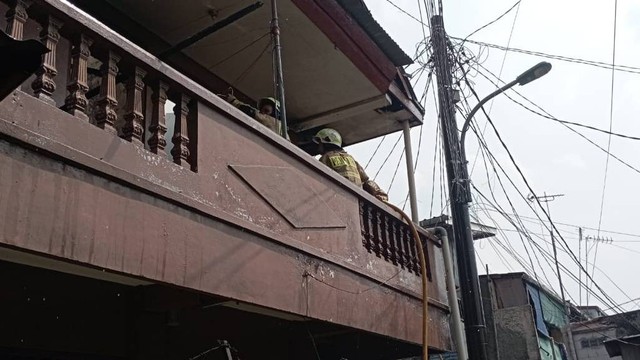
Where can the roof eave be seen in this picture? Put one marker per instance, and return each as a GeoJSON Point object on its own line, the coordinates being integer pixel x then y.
{"type": "Point", "coordinates": [359, 11]}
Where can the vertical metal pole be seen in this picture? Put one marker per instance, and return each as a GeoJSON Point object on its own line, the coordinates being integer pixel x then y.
{"type": "Point", "coordinates": [277, 61]}
{"type": "Point", "coordinates": [452, 295]}
{"type": "Point", "coordinates": [547, 199]}
{"type": "Point", "coordinates": [227, 349]}
{"type": "Point", "coordinates": [456, 173]}
{"type": "Point", "coordinates": [413, 200]}
{"type": "Point", "coordinates": [580, 265]}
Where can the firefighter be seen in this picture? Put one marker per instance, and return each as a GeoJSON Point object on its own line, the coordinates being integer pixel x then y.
{"type": "Point", "coordinates": [333, 155]}
{"type": "Point", "coordinates": [265, 113]}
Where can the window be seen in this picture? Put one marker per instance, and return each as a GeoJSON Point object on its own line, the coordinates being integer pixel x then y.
{"type": "Point", "coordinates": [584, 343]}
{"type": "Point", "coordinates": [592, 342]}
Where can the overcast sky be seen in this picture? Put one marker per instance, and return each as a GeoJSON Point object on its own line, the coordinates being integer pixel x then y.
{"type": "Point", "coordinates": [553, 159]}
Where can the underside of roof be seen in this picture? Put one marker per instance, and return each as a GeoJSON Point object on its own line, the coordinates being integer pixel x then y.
{"type": "Point", "coordinates": [341, 69]}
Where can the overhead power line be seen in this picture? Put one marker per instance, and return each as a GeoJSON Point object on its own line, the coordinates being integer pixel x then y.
{"type": "Point", "coordinates": [375, 151]}
{"type": "Point", "coordinates": [406, 13]}
{"type": "Point", "coordinates": [523, 231]}
{"type": "Point", "coordinates": [546, 214]}
{"type": "Point", "coordinates": [504, 60]}
{"type": "Point", "coordinates": [610, 133]}
{"type": "Point", "coordinates": [547, 255]}
{"type": "Point", "coordinates": [493, 21]}
{"type": "Point", "coordinates": [580, 226]}
{"type": "Point", "coordinates": [624, 303]}
{"type": "Point", "coordinates": [600, 64]}
{"type": "Point", "coordinates": [606, 166]}
{"type": "Point", "coordinates": [547, 115]}
{"type": "Point", "coordinates": [388, 156]}
{"type": "Point", "coordinates": [250, 44]}
{"type": "Point", "coordinates": [564, 242]}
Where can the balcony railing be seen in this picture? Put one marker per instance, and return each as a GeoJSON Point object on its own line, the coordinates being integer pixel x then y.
{"type": "Point", "coordinates": [98, 81]}
{"type": "Point", "coordinates": [390, 238]}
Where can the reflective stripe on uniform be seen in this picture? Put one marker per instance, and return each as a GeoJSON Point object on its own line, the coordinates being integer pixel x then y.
{"type": "Point", "coordinates": [346, 166]}
{"type": "Point", "coordinates": [339, 160]}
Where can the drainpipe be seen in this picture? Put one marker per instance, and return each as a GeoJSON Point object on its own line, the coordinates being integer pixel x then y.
{"type": "Point", "coordinates": [456, 321]}
{"type": "Point", "coordinates": [571, 346]}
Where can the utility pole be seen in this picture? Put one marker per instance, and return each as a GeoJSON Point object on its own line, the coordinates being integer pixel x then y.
{"type": "Point", "coordinates": [457, 175]}
{"type": "Point", "coordinates": [547, 199]}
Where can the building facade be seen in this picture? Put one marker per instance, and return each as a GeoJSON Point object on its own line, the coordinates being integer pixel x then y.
{"type": "Point", "coordinates": [235, 244]}
{"type": "Point", "coordinates": [591, 336]}
{"type": "Point", "coordinates": [524, 320]}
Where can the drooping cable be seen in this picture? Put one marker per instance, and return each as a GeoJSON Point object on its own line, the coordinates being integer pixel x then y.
{"type": "Point", "coordinates": [406, 12]}
{"type": "Point", "coordinates": [606, 167]}
{"type": "Point", "coordinates": [493, 21]}
{"type": "Point", "coordinates": [388, 156]}
{"type": "Point", "coordinates": [375, 152]}
{"type": "Point", "coordinates": [547, 115]}
{"type": "Point", "coordinates": [599, 64]}
{"type": "Point", "coordinates": [546, 214]}
{"type": "Point", "coordinates": [504, 60]}
{"type": "Point", "coordinates": [238, 51]}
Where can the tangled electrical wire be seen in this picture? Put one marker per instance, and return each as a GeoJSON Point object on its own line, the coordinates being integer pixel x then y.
{"type": "Point", "coordinates": [466, 64]}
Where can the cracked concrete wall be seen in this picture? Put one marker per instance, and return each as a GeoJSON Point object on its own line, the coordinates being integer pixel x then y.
{"type": "Point", "coordinates": [516, 334]}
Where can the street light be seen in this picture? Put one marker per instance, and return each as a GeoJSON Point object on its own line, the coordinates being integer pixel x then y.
{"type": "Point", "coordinates": [536, 72]}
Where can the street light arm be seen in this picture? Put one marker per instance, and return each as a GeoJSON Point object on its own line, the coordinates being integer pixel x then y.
{"type": "Point", "coordinates": [537, 71]}
{"type": "Point", "coordinates": [467, 122]}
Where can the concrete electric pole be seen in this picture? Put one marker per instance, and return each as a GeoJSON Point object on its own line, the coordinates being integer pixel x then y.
{"type": "Point", "coordinates": [456, 172]}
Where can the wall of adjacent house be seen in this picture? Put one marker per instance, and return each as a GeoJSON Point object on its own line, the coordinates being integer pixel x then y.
{"type": "Point", "coordinates": [589, 345]}
{"type": "Point", "coordinates": [630, 352]}
{"type": "Point", "coordinates": [516, 333]}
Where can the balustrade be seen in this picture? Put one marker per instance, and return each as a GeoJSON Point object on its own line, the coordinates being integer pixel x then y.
{"type": "Point", "coordinates": [92, 93]}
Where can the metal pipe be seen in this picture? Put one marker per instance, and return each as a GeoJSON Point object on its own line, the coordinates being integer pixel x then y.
{"type": "Point", "coordinates": [210, 30]}
{"type": "Point", "coordinates": [425, 280]}
{"type": "Point", "coordinates": [413, 200]}
{"type": "Point", "coordinates": [579, 266]}
{"type": "Point", "coordinates": [277, 61]}
{"type": "Point", "coordinates": [452, 294]}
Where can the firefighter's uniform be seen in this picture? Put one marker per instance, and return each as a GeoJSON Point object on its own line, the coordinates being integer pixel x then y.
{"type": "Point", "coordinates": [345, 165]}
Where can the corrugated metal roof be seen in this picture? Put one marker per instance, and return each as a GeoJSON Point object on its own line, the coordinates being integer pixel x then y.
{"type": "Point", "coordinates": [359, 11]}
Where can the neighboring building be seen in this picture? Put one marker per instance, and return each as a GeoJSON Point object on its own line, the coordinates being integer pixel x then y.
{"type": "Point", "coordinates": [591, 312]}
{"type": "Point", "coordinates": [524, 320]}
{"type": "Point", "coordinates": [591, 336]}
{"type": "Point", "coordinates": [237, 244]}
{"type": "Point", "coordinates": [626, 348]}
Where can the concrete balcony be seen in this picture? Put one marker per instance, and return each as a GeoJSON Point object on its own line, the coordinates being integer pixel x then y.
{"type": "Point", "coordinates": [231, 210]}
